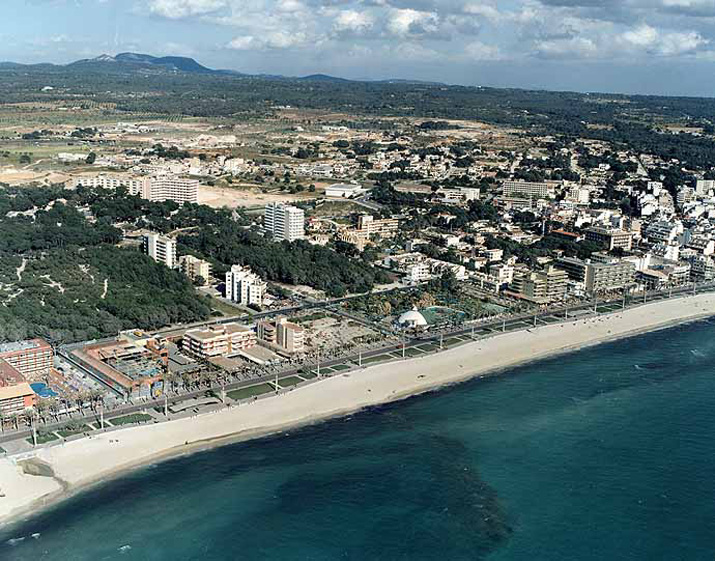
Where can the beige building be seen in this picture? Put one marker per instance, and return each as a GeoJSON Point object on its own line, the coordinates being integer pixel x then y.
{"type": "Point", "coordinates": [599, 276]}
{"type": "Point", "coordinates": [218, 340]}
{"type": "Point", "coordinates": [281, 333]}
{"type": "Point", "coordinates": [194, 267]}
{"type": "Point", "coordinates": [541, 287]}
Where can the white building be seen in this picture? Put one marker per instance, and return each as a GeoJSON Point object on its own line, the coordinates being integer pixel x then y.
{"type": "Point", "coordinates": [284, 222]}
{"type": "Point", "coordinates": [159, 188]}
{"type": "Point", "coordinates": [172, 188]}
{"type": "Point", "coordinates": [161, 249]}
{"type": "Point", "coordinates": [663, 231]}
{"type": "Point", "coordinates": [344, 191]}
{"type": "Point", "coordinates": [704, 186]}
{"type": "Point", "coordinates": [244, 287]}
{"type": "Point", "coordinates": [135, 185]}
{"type": "Point", "coordinates": [529, 189]}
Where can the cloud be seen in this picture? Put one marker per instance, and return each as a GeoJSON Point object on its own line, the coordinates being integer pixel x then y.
{"type": "Point", "coordinates": [409, 22]}
{"type": "Point", "coordinates": [353, 21]}
{"type": "Point", "coordinates": [459, 31]}
{"type": "Point", "coordinates": [478, 51]}
{"type": "Point", "coordinates": [178, 9]}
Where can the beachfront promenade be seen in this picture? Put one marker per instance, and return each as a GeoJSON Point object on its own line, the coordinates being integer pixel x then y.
{"type": "Point", "coordinates": [412, 346]}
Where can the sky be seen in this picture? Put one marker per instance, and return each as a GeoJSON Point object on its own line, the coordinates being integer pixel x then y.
{"type": "Point", "coordinates": [629, 46]}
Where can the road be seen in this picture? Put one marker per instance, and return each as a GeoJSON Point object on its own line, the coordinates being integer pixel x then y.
{"type": "Point", "coordinates": [476, 331]}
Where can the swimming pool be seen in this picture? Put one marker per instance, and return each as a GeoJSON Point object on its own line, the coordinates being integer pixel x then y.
{"type": "Point", "coordinates": [42, 390]}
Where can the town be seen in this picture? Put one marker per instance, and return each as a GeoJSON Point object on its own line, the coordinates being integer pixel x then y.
{"type": "Point", "coordinates": [217, 263]}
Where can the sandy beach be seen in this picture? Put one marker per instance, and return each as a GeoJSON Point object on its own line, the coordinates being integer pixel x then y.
{"type": "Point", "coordinates": [84, 462]}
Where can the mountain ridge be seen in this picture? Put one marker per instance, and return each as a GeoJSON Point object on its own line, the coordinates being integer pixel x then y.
{"type": "Point", "coordinates": [130, 62]}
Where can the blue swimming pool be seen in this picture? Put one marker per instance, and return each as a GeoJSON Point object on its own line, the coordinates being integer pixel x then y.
{"type": "Point", "coordinates": [42, 390]}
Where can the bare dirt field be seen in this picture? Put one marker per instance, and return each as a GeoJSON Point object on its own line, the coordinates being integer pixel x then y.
{"type": "Point", "coordinates": [219, 197]}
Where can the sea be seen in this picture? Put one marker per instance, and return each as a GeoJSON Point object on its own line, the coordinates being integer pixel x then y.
{"type": "Point", "coordinates": [607, 453]}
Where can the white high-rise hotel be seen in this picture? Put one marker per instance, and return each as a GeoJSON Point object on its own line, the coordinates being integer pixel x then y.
{"type": "Point", "coordinates": [173, 188]}
{"type": "Point", "coordinates": [284, 222]}
{"type": "Point", "coordinates": [161, 249]}
{"type": "Point", "coordinates": [245, 287]}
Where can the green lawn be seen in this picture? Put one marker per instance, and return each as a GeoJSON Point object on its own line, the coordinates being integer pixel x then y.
{"type": "Point", "coordinates": [131, 419]}
{"type": "Point", "coordinates": [71, 431]}
{"type": "Point", "coordinates": [251, 391]}
{"type": "Point", "coordinates": [452, 341]}
{"type": "Point", "coordinates": [43, 438]}
{"type": "Point", "coordinates": [227, 310]}
{"type": "Point", "coordinates": [308, 374]}
{"type": "Point", "coordinates": [339, 367]}
{"type": "Point", "coordinates": [289, 381]}
{"type": "Point", "coordinates": [378, 358]}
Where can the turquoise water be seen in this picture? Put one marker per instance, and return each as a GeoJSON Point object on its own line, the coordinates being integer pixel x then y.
{"type": "Point", "coordinates": [605, 454]}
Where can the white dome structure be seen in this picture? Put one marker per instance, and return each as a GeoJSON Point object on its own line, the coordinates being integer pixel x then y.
{"type": "Point", "coordinates": [411, 320]}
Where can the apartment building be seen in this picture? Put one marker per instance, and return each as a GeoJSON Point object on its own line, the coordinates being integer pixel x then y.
{"type": "Point", "coordinates": [417, 267]}
{"type": "Point", "coordinates": [135, 185]}
{"type": "Point", "coordinates": [529, 189]}
{"type": "Point", "coordinates": [663, 231]}
{"type": "Point", "coordinates": [245, 287]}
{"type": "Point", "coordinates": [598, 276]}
{"type": "Point", "coordinates": [161, 249]}
{"type": "Point", "coordinates": [193, 267]}
{"type": "Point", "coordinates": [158, 188]}
{"type": "Point", "coordinates": [541, 287]}
{"type": "Point", "coordinates": [173, 188]}
{"type": "Point", "coordinates": [459, 195]}
{"type": "Point", "coordinates": [602, 277]}
{"type": "Point", "coordinates": [702, 268]}
{"type": "Point", "coordinates": [33, 359]}
{"type": "Point", "coordinates": [367, 227]}
{"type": "Point", "coordinates": [218, 341]}
{"type": "Point", "coordinates": [704, 186]}
{"type": "Point", "coordinates": [612, 238]}
{"type": "Point", "coordinates": [284, 222]}
{"type": "Point", "coordinates": [283, 334]}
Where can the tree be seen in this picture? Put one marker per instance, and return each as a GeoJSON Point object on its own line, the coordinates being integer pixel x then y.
{"type": "Point", "coordinates": [91, 158]}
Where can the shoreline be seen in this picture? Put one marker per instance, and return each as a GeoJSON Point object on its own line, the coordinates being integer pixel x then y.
{"type": "Point", "coordinates": [80, 464]}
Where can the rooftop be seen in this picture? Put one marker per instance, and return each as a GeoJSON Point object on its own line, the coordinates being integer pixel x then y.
{"type": "Point", "coordinates": [16, 346]}
{"type": "Point", "coordinates": [18, 390]}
